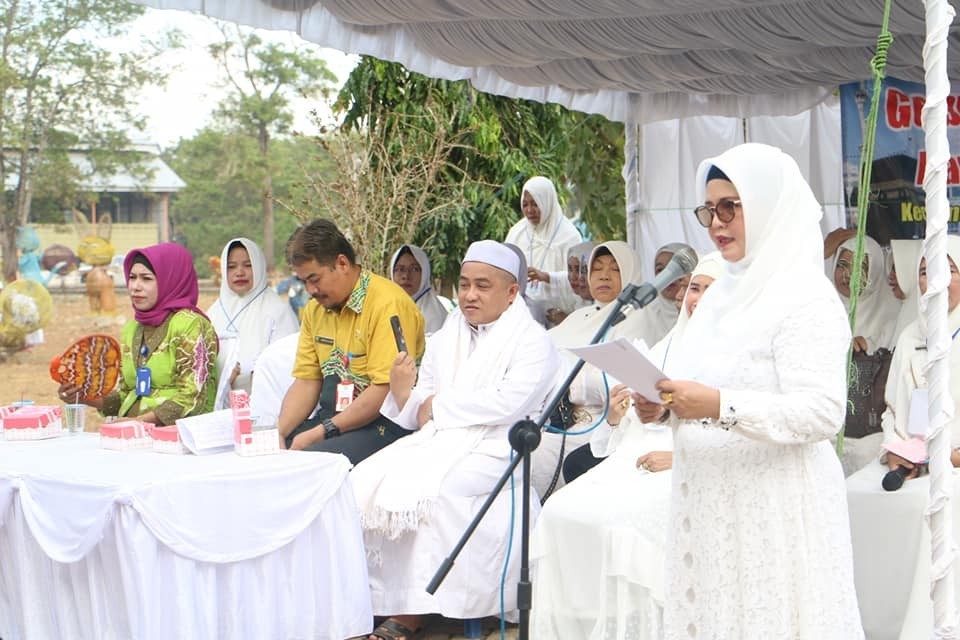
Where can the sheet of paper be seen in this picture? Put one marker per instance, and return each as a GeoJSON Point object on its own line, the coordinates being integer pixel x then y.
{"type": "Point", "coordinates": [625, 362]}
{"type": "Point", "coordinates": [208, 432]}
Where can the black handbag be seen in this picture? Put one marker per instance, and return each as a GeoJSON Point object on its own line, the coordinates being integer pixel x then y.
{"type": "Point", "coordinates": [865, 389]}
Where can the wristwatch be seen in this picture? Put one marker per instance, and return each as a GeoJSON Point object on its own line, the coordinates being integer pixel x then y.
{"type": "Point", "coordinates": [330, 430]}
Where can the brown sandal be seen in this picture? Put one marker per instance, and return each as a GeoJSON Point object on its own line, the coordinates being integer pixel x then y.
{"type": "Point", "coordinates": [390, 629]}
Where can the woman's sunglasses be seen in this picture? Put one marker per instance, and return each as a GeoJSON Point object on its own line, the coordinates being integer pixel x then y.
{"type": "Point", "coordinates": [725, 210]}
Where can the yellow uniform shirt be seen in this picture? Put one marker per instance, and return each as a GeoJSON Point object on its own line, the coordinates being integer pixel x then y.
{"type": "Point", "coordinates": [356, 342]}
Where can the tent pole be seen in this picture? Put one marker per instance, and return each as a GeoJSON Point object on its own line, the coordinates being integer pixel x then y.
{"type": "Point", "coordinates": [933, 306]}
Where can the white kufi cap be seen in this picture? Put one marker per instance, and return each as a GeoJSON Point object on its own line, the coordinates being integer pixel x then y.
{"type": "Point", "coordinates": [495, 254]}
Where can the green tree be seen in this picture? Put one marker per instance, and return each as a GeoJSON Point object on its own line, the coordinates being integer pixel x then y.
{"type": "Point", "coordinates": [61, 89]}
{"type": "Point", "coordinates": [222, 199]}
{"type": "Point", "coordinates": [263, 79]}
{"type": "Point", "coordinates": [501, 143]}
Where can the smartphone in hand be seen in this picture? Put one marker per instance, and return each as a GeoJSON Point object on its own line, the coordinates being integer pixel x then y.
{"type": "Point", "coordinates": [398, 334]}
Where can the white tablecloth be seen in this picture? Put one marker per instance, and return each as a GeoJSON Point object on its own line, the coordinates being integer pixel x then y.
{"type": "Point", "coordinates": [891, 553]}
{"type": "Point", "coordinates": [106, 544]}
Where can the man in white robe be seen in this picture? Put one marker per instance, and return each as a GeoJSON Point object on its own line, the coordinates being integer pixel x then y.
{"type": "Point", "coordinates": [490, 366]}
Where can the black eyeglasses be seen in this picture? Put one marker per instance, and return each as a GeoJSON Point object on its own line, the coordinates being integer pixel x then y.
{"type": "Point", "coordinates": [725, 210]}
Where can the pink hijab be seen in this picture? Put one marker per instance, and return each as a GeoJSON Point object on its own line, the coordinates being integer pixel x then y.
{"type": "Point", "coordinates": [177, 286]}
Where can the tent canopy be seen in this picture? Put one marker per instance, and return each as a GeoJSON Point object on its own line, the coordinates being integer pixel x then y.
{"type": "Point", "coordinates": [630, 60]}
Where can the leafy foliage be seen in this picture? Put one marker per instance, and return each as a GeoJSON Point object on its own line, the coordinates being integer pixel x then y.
{"type": "Point", "coordinates": [222, 197]}
{"type": "Point", "coordinates": [60, 89]}
{"type": "Point", "coordinates": [498, 143]}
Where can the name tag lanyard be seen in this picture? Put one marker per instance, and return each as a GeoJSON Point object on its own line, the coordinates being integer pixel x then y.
{"type": "Point", "coordinates": [143, 371]}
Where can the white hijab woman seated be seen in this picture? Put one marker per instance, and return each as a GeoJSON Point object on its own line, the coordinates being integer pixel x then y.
{"type": "Point", "coordinates": [599, 544]}
{"type": "Point", "coordinates": [410, 268]}
{"type": "Point", "coordinates": [248, 316]}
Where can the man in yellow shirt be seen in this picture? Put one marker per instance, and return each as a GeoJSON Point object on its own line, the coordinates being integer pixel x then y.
{"type": "Point", "coordinates": [346, 348]}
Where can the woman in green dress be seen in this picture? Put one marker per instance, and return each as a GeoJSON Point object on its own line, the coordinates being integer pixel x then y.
{"type": "Point", "coordinates": [169, 350]}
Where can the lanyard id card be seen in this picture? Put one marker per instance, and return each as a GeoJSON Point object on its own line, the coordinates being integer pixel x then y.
{"type": "Point", "coordinates": [344, 395]}
{"type": "Point", "coordinates": [143, 381]}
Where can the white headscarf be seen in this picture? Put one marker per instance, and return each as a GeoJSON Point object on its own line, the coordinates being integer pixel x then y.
{"type": "Point", "coordinates": [545, 244]}
{"type": "Point", "coordinates": [580, 326]}
{"type": "Point", "coordinates": [905, 255]}
{"type": "Point", "coordinates": [248, 323]}
{"type": "Point", "coordinates": [434, 313]}
{"type": "Point", "coordinates": [781, 270]}
{"type": "Point", "coordinates": [662, 313]}
{"type": "Point", "coordinates": [711, 265]}
{"type": "Point", "coordinates": [877, 309]}
{"type": "Point", "coordinates": [582, 253]}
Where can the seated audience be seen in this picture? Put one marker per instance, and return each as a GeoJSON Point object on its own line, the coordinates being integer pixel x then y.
{"type": "Point", "coordinates": [489, 366]}
{"type": "Point", "coordinates": [248, 316]}
{"type": "Point", "coordinates": [410, 268]}
{"type": "Point", "coordinates": [545, 234]}
{"type": "Point", "coordinates": [346, 348]}
{"type": "Point", "coordinates": [598, 546]}
{"type": "Point", "coordinates": [169, 349]}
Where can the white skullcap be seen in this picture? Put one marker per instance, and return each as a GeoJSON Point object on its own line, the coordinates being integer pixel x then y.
{"type": "Point", "coordinates": [494, 254]}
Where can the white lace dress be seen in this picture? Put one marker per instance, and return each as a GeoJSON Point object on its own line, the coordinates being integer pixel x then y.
{"type": "Point", "coordinates": [759, 545]}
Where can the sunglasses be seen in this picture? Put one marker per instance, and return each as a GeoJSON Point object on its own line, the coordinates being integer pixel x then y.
{"type": "Point", "coordinates": [725, 210]}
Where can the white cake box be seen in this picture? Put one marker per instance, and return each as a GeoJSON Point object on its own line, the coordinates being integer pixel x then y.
{"type": "Point", "coordinates": [260, 441]}
{"type": "Point", "coordinates": [167, 440]}
{"type": "Point", "coordinates": [33, 423]}
{"type": "Point", "coordinates": [125, 435]}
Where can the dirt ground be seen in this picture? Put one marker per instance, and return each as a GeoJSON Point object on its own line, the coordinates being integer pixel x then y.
{"type": "Point", "coordinates": [26, 374]}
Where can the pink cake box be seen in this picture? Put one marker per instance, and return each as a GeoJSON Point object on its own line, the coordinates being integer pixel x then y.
{"type": "Point", "coordinates": [259, 442]}
{"type": "Point", "coordinates": [242, 422]}
{"type": "Point", "coordinates": [4, 412]}
{"type": "Point", "coordinates": [33, 423]}
{"type": "Point", "coordinates": [126, 434]}
{"type": "Point", "coordinates": [167, 440]}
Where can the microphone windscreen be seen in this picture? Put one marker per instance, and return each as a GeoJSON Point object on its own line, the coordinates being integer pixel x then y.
{"type": "Point", "coordinates": [893, 480]}
{"type": "Point", "coordinates": [687, 258]}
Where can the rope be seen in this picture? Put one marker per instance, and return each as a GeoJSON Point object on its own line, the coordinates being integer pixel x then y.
{"type": "Point", "coordinates": [878, 65]}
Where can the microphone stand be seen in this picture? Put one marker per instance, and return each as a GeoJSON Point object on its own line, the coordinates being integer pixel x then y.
{"type": "Point", "coordinates": [524, 438]}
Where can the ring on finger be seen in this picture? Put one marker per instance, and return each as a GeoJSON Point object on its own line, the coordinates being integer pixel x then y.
{"type": "Point", "coordinates": [666, 397]}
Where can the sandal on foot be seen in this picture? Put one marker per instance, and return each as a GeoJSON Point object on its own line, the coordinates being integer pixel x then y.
{"type": "Point", "coordinates": [390, 629]}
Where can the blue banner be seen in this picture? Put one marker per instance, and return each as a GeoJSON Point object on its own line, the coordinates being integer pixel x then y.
{"type": "Point", "coordinates": [897, 208]}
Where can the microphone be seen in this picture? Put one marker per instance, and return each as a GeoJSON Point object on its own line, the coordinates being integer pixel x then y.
{"type": "Point", "coordinates": [637, 296]}
{"type": "Point", "coordinates": [893, 480]}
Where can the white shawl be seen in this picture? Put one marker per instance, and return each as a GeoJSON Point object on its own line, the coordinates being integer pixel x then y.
{"type": "Point", "coordinates": [246, 324]}
{"type": "Point", "coordinates": [905, 255]}
{"type": "Point", "coordinates": [397, 487]}
{"type": "Point", "coordinates": [877, 309]}
{"type": "Point", "coordinates": [545, 245]}
{"type": "Point", "coordinates": [434, 313]}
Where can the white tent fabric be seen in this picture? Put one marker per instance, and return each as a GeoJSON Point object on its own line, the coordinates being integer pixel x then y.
{"type": "Point", "coordinates": [631, 60]}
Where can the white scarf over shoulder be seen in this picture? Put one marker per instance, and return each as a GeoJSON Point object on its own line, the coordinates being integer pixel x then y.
{"type": "Point", "coordinates": [546, 243]}
{"type": "Point", "coordinates": [434, 313]}
{"type": "Point", "coordinates": [877, 309]}
{"type": "Point", "coordinates": [397, 487]}
{"type": "Point", "coordinates": [248, 323]}
{"type": "Point", "coordinates": [782, 268]}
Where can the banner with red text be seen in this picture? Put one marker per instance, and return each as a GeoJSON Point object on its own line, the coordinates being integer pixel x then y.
{"type": "Point", "coordinates": [896, 188]}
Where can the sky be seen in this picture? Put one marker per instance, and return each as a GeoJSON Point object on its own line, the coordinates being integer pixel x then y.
{"type": "Point", "coordinates": [195, 84]}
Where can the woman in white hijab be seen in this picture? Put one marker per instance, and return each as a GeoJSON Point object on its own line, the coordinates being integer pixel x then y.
{"type": "Point", "coordinates": [410, 268]}
{"type": "Point", "coordinates": [248, 316]}
{"type": "Point", "coordinates": [578, 268]}
{"type": "Point", "coordinates": [759, 542]}
{"type": "Point", "coordinates": [544, 234]}
{"type": "Point", "coordinates": [599, 543]}
{"type": "Point", "coordinates": [893, 570]}
{"type": "Point", "coordinates": [613, 266]}
{"type": "Point", "coordinates": [877, 309]}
